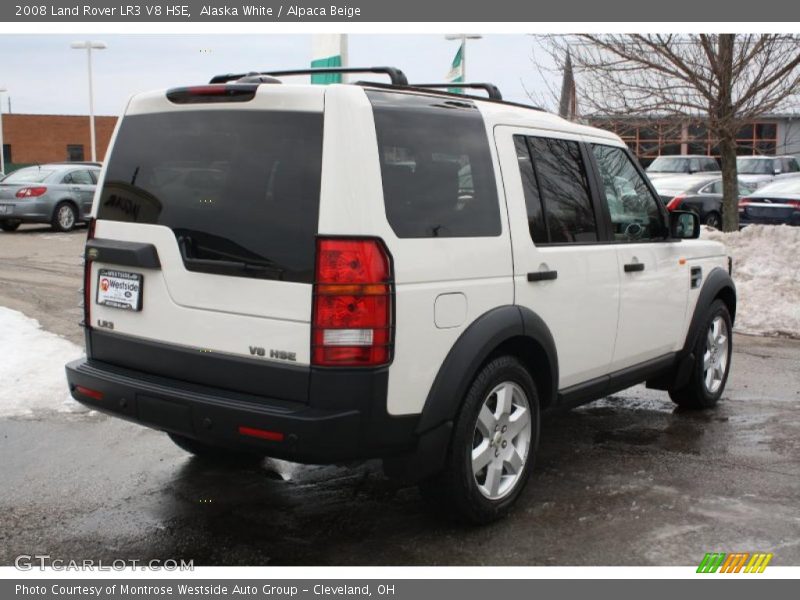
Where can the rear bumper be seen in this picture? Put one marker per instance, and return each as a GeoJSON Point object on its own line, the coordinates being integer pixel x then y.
{"type": "Point", "coordinates": [29, 211]}
{"type": "Point", "coordinates": [214, 416]}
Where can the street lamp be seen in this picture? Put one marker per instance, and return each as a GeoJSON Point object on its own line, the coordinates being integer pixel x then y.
{"type": "Point", "coordinates": [463, 37]}
{"type": "Point", "coordinates": [89, 46]}
{"type": "Point", "coordinates": [2, 147]}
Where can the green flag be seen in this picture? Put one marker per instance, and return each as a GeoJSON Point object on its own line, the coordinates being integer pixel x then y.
{"type": "Point", "coordinates": [328, 50]}
{"type": "Point", "coordinates": [456, 73]}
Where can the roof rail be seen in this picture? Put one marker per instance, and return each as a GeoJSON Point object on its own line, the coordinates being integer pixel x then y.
{"type": "Point", "coordinates": [396, 75]}
{"type": "Point", "coordinates": [490, 88]}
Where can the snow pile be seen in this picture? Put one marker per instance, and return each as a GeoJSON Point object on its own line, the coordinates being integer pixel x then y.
{"type": "Point", "coordinates": [766, 269]}
{"type": "Point", "coordinates": [32, 367]}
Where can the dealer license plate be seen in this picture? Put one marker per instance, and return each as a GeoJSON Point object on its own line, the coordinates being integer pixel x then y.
{"type": "Point", "coordinates": [119, 289]}
{"type": "Point", "coordinates": [5, 209]}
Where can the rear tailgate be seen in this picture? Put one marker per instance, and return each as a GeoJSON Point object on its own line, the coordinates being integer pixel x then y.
{"type": "Point", "coordinates": [227, 198]}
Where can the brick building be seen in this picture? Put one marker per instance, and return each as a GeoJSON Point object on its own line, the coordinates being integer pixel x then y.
{"type": "Point", "coordinates": [40, 139]}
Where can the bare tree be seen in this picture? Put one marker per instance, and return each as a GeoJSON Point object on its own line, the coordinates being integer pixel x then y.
{"type": "Point", "coordinates": [724, 80]}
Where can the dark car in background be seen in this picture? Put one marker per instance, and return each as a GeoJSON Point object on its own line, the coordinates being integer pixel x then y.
{"type": "Point", "coordinates": [700, 193]}
{"type": "Point", "coordinates": [60, 194]}
{"type": "Point", "coordinates": [776, 203]}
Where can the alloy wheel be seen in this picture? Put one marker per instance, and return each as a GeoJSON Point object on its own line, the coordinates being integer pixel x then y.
{"type": "Point", "coordinates": [501, 440]}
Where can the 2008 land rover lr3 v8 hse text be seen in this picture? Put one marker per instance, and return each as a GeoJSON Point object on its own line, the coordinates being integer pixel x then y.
{"type": "Point", "coordinates": [328, 273]}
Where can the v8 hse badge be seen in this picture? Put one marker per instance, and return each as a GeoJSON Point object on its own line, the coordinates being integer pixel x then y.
{"type": "Point", "coordinates": [119, 289]}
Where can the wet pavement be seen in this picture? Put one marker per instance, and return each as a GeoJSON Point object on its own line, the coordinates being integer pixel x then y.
{"type": "Point", "coordinates": [627, 480]}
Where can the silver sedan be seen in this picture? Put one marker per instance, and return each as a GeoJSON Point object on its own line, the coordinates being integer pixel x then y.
{"type": "Point", "coordinates": [57, 193]}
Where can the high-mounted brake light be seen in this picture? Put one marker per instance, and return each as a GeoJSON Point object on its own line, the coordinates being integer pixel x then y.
{"type": "Point", "coordinates": [201, 94]}
{"type": "Point", "coordinates": [87, 279]}
{"type": "Point", "coordinates": [675, 203]}
{"type": "Point", "coordinates": [31, 192]}
{"type": "Point", "coordinates": [352, 315]}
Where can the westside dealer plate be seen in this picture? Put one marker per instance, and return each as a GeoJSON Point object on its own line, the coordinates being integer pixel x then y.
{"type": "Point", "coordinates": [5, 209]}
{"type": "Point", "coordinates": [119, 289]}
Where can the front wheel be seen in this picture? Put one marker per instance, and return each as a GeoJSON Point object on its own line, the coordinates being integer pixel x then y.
{"type": "Point", "coordinates": [712, 351]}
{"type": "Point", "coordinates": [714, 220]}
{"type": "Point", "coordinates": [493, 445]}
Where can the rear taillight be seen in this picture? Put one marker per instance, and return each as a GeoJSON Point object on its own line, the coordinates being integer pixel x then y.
{"type": "Point", "coordinates": [31, 192]}
{"type": "Point", "coordinates": [675, 203]}
{"type": "Point", "coordinates": [352, 315]}
{"type": "Point", "coordinates": [87, 278]}
{"type": "Point", "coordinates": [744, 202]}
{"type": "Point", "coordinates": [794, 203]}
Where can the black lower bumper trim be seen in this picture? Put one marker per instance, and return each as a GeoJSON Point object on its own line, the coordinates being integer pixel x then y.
{"type": "Point", "coordinates": [309, 434]}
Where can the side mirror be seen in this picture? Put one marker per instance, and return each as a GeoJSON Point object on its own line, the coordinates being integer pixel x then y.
{"type": "Point", "coordinates": [684, 225]}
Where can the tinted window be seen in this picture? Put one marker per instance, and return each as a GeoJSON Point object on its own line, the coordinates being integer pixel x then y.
{"type": "Point", "coordinates": [436, 167]}
{"type": "Point", "coordinates": [709, 164]}
{"type": "Point", "coordinates": [564, 190]}
{"type": "Point", "coordinates": [530, 187]}
{"type": "Point", "coordinates": [635, 215]}
{"type": "Point", "coordinates": [240, 189]}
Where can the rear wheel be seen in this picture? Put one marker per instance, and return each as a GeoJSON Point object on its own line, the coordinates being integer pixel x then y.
{"type": "Point", "coordinates": [712, 351]}
{"type": "Point", "coordinates": [213, 453]}
{"type": "Point", "coordinates": [65, 216]}
{"type": "Point", "coordinates": [493, 445]}
{"type": "Point", "coordinates": [713, 219]}
{"type": "Point", "coordinates": [10, 225]}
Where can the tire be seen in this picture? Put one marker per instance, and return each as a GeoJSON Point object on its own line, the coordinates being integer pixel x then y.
{"type": "Point", "coordinates": [10, 226]}
{"type": "Point", "coordinates": [713, 350]}
{"type": "Point", "coordinates": [65, 217]}
{"type": "Point", "coordinates": [211, 453]}
{"type": "Point", "coordinates": [484, 430]}
{"type": "Point", "coordinates": [713, 219]}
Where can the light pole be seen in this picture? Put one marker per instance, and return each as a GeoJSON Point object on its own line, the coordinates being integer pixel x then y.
{"type": "Point", "coordinates": [2, 147]}
{"type": "Point", "coordinates": [89, 46]}
{"type": "Point", "coordinates": [463, 37]}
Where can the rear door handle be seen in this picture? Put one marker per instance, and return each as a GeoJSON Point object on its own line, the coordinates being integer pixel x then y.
{"type": "Point", "coordinates": [634, 267]}
{"type": "Point", "coordinates": [542, 275]}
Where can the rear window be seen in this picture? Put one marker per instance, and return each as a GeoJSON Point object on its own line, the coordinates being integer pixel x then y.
{"type": "Point", "coordinates": [436, 166]}
{"type": "Point", "coordinates": [240, 189]}
{"type": "Point", "coordinates": [28, 175]}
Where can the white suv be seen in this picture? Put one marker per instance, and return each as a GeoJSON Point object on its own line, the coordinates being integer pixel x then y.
{"type": "Point", "coordinates": [327, 273]}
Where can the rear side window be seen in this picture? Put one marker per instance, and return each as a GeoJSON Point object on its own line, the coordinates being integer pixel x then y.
{"type": "Point", "coordinates": [239, 189]}
{"type": "Point", "coordinates": [564, 190]}
{"type": "Point", "coordinates": [436, 167]}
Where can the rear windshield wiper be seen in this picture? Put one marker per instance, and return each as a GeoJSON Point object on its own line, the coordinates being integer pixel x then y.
{"type": "Point", "coordinates": [225, 265]}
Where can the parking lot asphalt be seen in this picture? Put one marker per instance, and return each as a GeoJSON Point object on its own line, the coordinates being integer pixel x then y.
{"type": "Point", "coordinates": [627, 480]}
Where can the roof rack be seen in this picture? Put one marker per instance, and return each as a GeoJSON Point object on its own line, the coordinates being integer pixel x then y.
{"type": "Point", "coordinates": [439, 92]}
{"type": "Point", "coordinates": [490, 88]}
{"type": "Point", "coordinates": [396, 75]}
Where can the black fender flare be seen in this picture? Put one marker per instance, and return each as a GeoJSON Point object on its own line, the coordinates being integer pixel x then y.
{"type": "Point", "coordinates": [483, 336]}
{"type": "Point", "coordinates": [718, 284]}
{"type": "Point", "coordinates": [717, 281]}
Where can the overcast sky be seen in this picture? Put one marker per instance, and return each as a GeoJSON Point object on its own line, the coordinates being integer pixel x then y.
{"type": "Point", "coordinates": [43, 75]}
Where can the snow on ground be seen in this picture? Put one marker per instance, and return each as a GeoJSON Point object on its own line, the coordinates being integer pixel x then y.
{"type": "Point", "coordinates": [32, 367]}
{"type": "Point", "coordinates": [766, 270]}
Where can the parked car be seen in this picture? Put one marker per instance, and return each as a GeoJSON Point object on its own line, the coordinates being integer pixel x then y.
{"type": "Point", "coordinates": [56, 193]}
{"type": "Point", "coordinates": [776, 203]}
{"type": "Point", "coordinates": [703, 196]}
{"type": "Point", "coordinates": [356, 295]}
{"type": "Point", "coordinates": [763, 169]}
{"type": "Point", "coordinates": [687, 164]}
